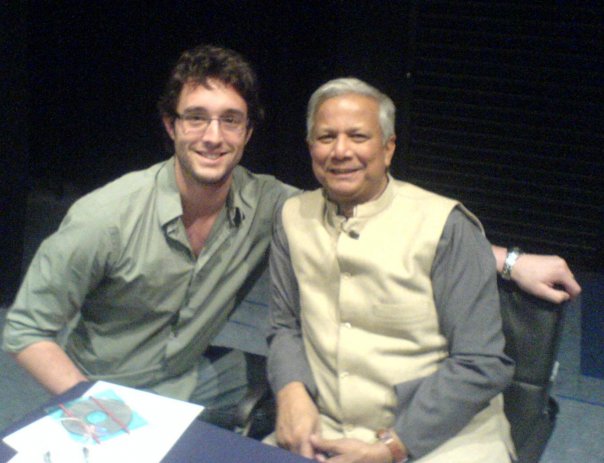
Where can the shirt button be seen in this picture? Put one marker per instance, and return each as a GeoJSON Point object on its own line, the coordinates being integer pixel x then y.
{"type": "Point", "coordinates": [344, 374]}
{"type": "Point", "coordinates": [346, 275]}
{"type": "Point", "coordinates": [346, 325]}
{"type": "Point", "coordinates": [348, 427]}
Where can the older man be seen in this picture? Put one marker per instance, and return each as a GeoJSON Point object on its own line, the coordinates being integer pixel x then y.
{"type": "Point", "coordinates": [386, 335]}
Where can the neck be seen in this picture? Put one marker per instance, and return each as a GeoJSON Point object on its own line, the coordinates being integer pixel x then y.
{"type": "Point", "coordinates": [202, 200]}
{"type": "Point", "coordinates": [345, 210]}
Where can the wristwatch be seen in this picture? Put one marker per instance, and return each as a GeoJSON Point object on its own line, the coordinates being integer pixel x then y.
{"type": "Point", "coordinates": [513, 254]}
{"type": "Point", "coordinates": [390, 439]}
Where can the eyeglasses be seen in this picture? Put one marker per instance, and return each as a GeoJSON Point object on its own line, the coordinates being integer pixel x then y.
{"type": "Point", "coordinates": [199, 123]}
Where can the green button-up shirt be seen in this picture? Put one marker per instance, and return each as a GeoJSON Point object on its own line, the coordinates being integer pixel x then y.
{"type": "Point", "coordinates": [148, 306]}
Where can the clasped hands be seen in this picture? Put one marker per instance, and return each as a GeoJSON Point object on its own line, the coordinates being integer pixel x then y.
{"type": "Point", "coordinates": [298, 430]}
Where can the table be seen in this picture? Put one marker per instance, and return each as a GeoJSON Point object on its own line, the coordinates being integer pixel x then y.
{"type": "Point", "coordinates": [200, 443]}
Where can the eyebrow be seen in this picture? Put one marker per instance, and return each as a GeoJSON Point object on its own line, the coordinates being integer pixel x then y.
{"type": "Point", "coordinates": [201, 109]}
{"type": "Point", "coordinates": [349, 130]}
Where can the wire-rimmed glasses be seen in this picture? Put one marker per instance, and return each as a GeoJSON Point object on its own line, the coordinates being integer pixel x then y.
{"type": "Point", "coordinates": [197, 123]}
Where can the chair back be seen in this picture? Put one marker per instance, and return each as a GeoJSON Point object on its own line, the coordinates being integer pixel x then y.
{"type": "Point", "coordinates": [532, 329]}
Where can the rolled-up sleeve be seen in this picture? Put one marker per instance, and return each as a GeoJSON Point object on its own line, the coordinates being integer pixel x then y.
{"type": "Point", "coordinates": [67, 265]}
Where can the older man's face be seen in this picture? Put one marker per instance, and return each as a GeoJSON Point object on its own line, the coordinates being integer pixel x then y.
{"type": "Point", "coordinates": [349, 157]}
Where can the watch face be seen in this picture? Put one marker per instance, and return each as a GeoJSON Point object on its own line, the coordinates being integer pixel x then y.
{"type": "Point", "coordinates": [510, 260]}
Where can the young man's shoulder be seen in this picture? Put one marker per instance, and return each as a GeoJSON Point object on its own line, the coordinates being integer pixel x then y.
{"type": "Point", "coordinates": [125, 192]}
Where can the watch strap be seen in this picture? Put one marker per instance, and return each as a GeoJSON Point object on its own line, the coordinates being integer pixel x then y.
{"type": "Point", "coordinates": [391, 440]}
{"type": "Point", "coordinates": [512, 256]}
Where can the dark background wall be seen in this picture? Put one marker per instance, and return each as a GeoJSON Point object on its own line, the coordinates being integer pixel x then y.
{"type": "Point", "coordinates": [97, 68]}
{"type": "Point", "coordinates": [13, 145]}
{"type": "Point", "coordinates": [474, 84]}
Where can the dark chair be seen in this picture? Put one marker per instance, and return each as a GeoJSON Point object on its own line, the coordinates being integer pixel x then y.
{"type": "Point", "coordinates": [532, 328]}
{"type": "Point", "coordinates": [257, 411]}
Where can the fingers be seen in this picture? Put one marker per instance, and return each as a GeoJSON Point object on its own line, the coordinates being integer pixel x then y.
{"type": "Point", "coordinates": [329, 450]}
{"type": "Point", "coordinates": [556, 296]}
{"type": "Point", "coordinates": [306, 449]}
{"type": "Point", "coordinates": [325, 447]}
{"type": "Point", "coordinates": [571, 286]}
{"type": "Point", "coordinates": [563, 282]}
{"type": "Point", "coordinates": [295, 440]}
{"type": "Point", "coordinates": [547, 277]}
{"type": "Point", "coordinates": [297, 418]}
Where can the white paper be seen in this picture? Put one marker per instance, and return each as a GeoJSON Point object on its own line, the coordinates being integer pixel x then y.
{"type": "Point", "coordinates": [163, 421]}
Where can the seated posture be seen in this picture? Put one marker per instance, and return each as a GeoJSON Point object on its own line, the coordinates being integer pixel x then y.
{"type": "Point", "coordinates": [386, 338]}
{"type": "Point", "coordinates": [154, 263]}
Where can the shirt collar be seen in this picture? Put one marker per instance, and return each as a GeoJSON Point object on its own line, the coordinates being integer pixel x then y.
{"type": "Point", "coordinates": [169, 205]}
{"type": "Point", "coordinates": [234, 203]}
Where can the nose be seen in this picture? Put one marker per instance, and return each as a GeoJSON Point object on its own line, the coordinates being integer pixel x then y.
{"type": "Point", "coordinates": [341, 148]}
{"type": "Point", "coordinates": [212, 134]}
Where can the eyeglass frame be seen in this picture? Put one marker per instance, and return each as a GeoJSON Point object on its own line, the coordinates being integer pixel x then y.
{"type": "Point", "coordinates": [244, 123]}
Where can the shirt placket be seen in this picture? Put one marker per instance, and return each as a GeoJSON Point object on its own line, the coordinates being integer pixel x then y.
{"type": "Point", "coordinates": [187, 309]}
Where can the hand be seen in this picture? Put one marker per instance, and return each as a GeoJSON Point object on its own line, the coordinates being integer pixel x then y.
{"type": "Point", "coordinates": [349, 451]}
{"type": "Point", "coordinates": [297, 419]}
{"type": "Point", "coordinates": [547, 277]}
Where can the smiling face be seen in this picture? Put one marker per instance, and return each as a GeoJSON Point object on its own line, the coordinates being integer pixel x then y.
{"type": "Point", "coordinates": [208, 157]}
{"type": "Point", "coordinates": [349, 157]}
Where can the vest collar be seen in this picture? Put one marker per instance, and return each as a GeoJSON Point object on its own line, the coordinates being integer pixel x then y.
{"type": "Point", "coordinates": [364, 210]}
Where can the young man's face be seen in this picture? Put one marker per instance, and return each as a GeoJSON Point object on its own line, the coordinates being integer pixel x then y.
{"type": "Point", "coordinates": [208, 156]}
{"type": "Point", "coordinates": [349, 157]}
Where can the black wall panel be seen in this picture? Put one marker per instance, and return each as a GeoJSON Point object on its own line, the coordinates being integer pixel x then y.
{"type": "Point", "coordinates": [499, 103]}
{"type": "Point", "coordinates": [507, 114]}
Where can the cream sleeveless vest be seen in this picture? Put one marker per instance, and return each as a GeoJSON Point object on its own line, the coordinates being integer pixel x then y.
{"type": "Point", "coordinates": [368, 316]}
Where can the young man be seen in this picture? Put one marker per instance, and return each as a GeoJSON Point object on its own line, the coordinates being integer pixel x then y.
{"type": "Point", "coordinates": [152, 265]}
{"type": "Point", "coordinates": [386, 338]}
{"type": "Point", "coordinates": [155, 261]}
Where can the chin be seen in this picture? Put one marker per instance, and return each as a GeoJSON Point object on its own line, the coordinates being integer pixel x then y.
{"type": "Point", "coordinates": [210, 181]}
{"type": "Point", "coordinates": [344, 193]}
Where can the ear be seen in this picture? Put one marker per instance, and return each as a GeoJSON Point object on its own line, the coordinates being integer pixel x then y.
{"type": "Point", "coordinates": [389, 149]}
{"type": "Point", "coordinates": [169, 125]}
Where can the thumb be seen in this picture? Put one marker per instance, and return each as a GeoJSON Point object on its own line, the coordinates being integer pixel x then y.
{"type": "Point", "coordinates": [306, 449]}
